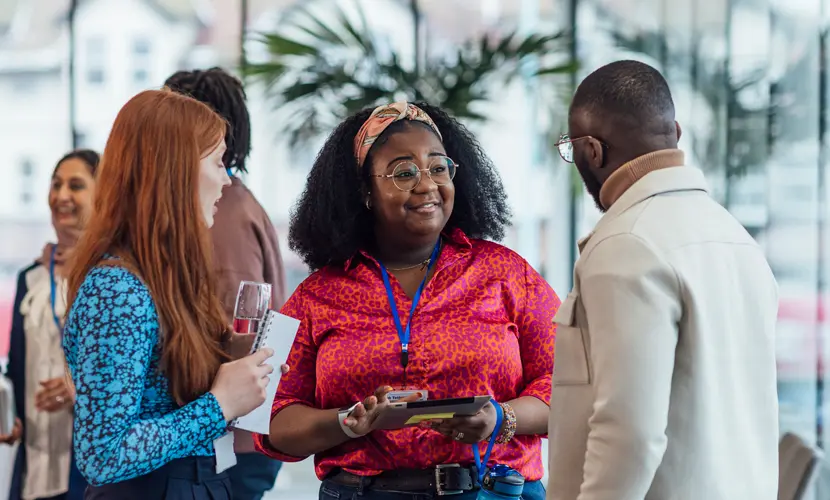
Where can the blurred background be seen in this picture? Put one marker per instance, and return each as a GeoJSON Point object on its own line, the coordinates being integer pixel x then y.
{"type": "Point", "coordinates": [749, 77]}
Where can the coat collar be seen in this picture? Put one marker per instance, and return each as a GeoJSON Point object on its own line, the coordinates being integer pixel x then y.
{"type": "Point", "coordinates": [653, 183]}
{"type": "Point", "coordinates": [629, 173]}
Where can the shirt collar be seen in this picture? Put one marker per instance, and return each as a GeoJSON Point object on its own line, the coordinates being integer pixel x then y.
{"type": "Point", "coordinates": [452, 237]}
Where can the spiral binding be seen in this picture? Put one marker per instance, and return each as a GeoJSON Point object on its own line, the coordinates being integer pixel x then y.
{"type": "Point", "coordinates": [260, 333]}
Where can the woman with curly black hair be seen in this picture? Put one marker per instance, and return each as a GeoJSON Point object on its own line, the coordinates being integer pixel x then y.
{"type": "Point", "coordinates": [409, 301]}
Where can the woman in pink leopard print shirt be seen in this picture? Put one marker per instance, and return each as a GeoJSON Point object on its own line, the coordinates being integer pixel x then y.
{"type": "Point", "coordinates": [403, 195]}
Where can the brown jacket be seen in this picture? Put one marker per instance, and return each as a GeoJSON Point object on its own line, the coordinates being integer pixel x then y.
{"type": "Point", "coordinates": [245, 248]}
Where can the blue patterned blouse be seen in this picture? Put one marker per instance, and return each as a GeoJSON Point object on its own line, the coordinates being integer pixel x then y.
{"type": "Point", "coordinates": [126, 422]}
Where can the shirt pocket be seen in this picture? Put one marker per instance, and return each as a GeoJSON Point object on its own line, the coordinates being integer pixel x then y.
{"type": "Point", "coordinates": [571, 357]}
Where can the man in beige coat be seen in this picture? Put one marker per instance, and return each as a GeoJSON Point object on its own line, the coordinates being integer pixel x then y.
{"type": "Point", "coordinates": [664, 381]}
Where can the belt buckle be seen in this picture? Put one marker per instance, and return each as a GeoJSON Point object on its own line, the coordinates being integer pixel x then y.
{"type": "Point", "coordinates": [438, 474]}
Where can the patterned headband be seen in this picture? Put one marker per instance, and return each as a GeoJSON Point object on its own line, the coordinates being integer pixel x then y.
{"type": "Point", "coordinates": [380, 119]}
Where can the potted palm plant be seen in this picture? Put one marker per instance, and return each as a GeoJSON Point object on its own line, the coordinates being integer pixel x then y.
{"type": "Point", "coordinates": [320, 69]}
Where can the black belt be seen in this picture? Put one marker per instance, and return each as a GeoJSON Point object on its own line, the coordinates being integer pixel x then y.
{"type": "Point", "coordinates": [449, 479]}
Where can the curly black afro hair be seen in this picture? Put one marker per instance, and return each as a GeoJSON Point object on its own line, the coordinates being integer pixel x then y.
{"type": "Point", "coordinates": [330, 221]}
{"type": "Point", "coordinates": [225, 94]}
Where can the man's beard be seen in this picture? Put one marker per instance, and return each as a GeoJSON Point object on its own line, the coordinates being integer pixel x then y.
{"type": "Point", "coordinates": [592, 185]}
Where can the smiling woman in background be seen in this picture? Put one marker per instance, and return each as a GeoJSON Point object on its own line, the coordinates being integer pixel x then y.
{"type": "Point", "coordinates": [44, 467]}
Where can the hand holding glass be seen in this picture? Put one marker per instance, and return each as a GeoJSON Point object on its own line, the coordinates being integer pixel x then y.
{"type": "Point", "coordinates": [252, 302]}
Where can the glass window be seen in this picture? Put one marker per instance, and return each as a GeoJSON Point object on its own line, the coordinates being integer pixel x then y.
{"type": "Point", "coordinates": [27, 178]}
{"type": "Point", "coordinates": [792, 244]}
{"type": "Point", "coordinates": [140, 76]}
{"type": "Point", "coordinates": [95, 60]}
{"type": "Point", "coordinates": [141, 46]}
{"type": "Point", "coordinates": [141, 58]}
{"type": "Point", "coordinates": [24, 83]}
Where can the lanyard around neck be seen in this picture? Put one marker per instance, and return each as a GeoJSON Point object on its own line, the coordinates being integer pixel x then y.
{"type": "Point", "coordinates": [403, 334]}
{"type": "Point", "coordinates": [53, 285]}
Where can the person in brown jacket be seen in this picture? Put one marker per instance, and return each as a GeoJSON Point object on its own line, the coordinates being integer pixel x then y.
{"type": "Point", "coordinates": [246, 247]}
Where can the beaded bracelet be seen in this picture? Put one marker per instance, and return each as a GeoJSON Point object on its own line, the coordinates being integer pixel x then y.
{"type": "Point", "coordinates": [509, 429]}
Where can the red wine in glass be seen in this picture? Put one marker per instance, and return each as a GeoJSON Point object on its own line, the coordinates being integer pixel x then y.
{"type": "Point", "coordinates": [246, 325]}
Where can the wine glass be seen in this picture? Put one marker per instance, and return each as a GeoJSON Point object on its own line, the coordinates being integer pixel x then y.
{"type": "Point", "coordinates": [252, 302]}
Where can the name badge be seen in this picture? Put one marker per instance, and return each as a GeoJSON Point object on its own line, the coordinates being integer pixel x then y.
{"type": "Point", "coordinates": [395, 396]}
{"type": "Point", "coordinates": [225, 456]}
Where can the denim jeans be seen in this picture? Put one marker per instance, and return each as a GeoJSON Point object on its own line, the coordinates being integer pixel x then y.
{"type": "Point", "coordinates": [330, 490]}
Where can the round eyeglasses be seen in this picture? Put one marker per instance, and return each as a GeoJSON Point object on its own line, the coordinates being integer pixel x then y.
{"type": "Point", "coordinates": [566, 148]}
{"type": "Point", "coordinates": [565, 145]}
{"type": "Point", "coordinates": [406, 176]}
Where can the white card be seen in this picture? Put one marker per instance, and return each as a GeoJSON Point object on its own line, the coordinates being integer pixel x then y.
{"type": "Point", "coordinates": [225, 457]}
{"type": "Point", "coordinates": [279, 334]}
{"type": "Point", "coordinates": [398, 395]}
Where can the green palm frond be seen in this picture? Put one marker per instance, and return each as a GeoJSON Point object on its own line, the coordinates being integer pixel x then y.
{"type": "Point", "coordinates": [320, 71]}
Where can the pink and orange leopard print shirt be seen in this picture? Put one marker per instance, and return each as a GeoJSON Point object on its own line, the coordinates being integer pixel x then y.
{"type": "Point", "coordinates": [483, 326]}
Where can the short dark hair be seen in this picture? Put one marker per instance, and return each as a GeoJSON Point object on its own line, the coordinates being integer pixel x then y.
{"type": "Point", "coordinates": [88, 156]}
{"type": "Point", "coordinates": [330, 222]}
{"type": "Point", "coordinates": [628, 91]}
{"type": "Point", "coordinates": [226, 95]}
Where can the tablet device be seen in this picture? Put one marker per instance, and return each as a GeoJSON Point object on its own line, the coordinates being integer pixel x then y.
{"type": "Point", "coordinates": [399, 414]}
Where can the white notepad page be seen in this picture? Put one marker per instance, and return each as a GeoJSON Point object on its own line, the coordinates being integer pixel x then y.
{"type": "Point", "coordinates": [278, 332]}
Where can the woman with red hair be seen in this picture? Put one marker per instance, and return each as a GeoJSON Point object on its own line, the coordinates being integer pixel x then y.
{"type": "Point", "coordinates": [145, 334]}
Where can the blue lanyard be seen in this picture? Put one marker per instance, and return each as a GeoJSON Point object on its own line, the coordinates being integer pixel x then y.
{"type": "Point", "coordinates": [482, 467]}
{"type": "Point", "coordinates": [403, 334]}
{"type": "Point", "coordinates": [54, 292]}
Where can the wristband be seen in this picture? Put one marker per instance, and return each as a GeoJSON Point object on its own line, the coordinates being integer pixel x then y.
{"type": "Point", "coordinates": [341, 417]}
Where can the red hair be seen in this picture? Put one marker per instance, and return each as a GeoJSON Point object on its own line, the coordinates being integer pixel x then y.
{"type": "Point", "coordinates": [147, 212]}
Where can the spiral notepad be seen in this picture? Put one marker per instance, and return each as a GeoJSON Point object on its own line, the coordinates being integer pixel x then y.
{"type": "Point", "coordinates": [276, 331]}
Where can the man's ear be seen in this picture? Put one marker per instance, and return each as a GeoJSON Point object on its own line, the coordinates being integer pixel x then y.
{"type": "Point", "coordinates": [596, 152]}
